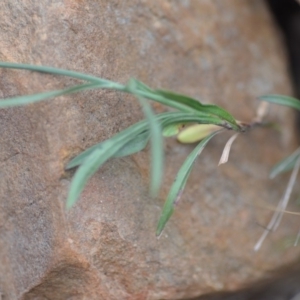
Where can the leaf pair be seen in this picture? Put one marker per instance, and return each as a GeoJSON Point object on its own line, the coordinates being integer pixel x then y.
{"type": "Point", "coordinates": [95, 158]}
{"type": "Point", "coordinates": [188, 104]}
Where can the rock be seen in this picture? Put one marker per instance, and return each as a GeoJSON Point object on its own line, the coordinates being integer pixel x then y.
{"type": "Point", "coordinates": [105, 247]}
{"type": "Point", "coordinates": [283, 285]}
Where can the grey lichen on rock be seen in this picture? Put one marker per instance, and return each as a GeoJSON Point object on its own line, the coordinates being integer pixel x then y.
{"type": "Point", "coordinates": [105, 247]}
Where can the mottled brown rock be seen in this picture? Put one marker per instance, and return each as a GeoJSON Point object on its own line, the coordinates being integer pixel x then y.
{"type": "Point", "coordinates": [223, 52]}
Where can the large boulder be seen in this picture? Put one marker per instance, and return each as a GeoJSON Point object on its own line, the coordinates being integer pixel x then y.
{"type": "Point", "coordinates": [223, 52]}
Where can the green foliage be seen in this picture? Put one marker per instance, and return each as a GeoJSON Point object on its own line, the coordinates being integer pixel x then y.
{"type": "Point", "coordinates": [153, 128]}
{"type": "Point", "coordinates": [282, 100]}
{"type": "Point", "coordinates": [179, 183]}
{"type": "Point", "coordinates": [135, 137]}
{"type": "Point", "coordinates": [156, 140]}
{"type": "Point", "coordinates": [291, 162]}
{"type": "Point", "coordinates": [288, 163]}
{"type": "Point", "coordinates": [285, 165]}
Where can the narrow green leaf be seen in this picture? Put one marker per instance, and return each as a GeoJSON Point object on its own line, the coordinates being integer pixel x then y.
{"type": "Point", "coordinates": [142, 90]}
{"type": "Point", "coordinates": [196, 105]}
{"type": "Point", "coordinates": [141, 86]}
{"type": "Point", "coordinates": [282, 100]}
{"type": "Point", "coordinates": [80, 158]}
{"type": "Point", "coordinates": [160, 99]}
{"type": "Point", "coordinates": [180, 102]}
{"type": "Point", "coordinates": [179, 184]}
{"type": "Point", "coordinates": [157, 153]}
{"type": "Point", "coordinates": [89, 166]}
{"type": "Point", "coordinates": [128, 135]}
{"type": "Point", "coordinates": [56, 71]}
{"type": "Point", "coordinates": [287, 164]}
{"type": "Point", "coordinates": [185, 118]}
{"type": "Point", "coordinates": [22, 100]}
{"type": "Point", "coordinates": [135, 145]}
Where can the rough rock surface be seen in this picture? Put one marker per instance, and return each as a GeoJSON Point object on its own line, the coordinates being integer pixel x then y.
{"type": "Point", "coordinates": [223, 52]}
